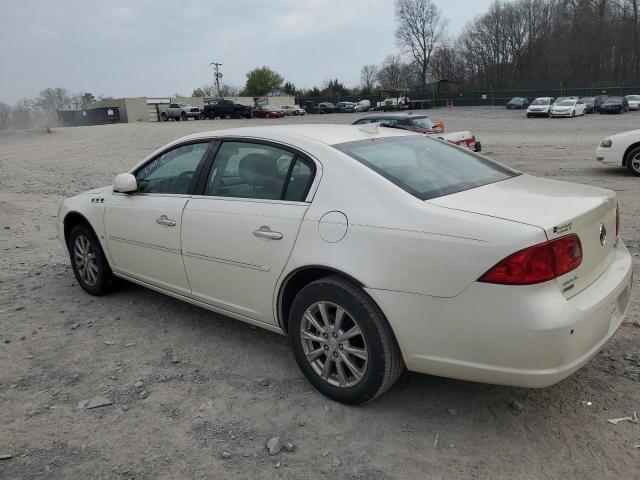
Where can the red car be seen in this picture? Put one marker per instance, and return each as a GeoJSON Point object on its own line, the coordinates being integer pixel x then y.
{"type": "Point", "coordinates": [267, 111]}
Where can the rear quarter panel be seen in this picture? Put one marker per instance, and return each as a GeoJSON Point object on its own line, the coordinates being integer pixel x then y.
{"type": "Point", "coordinates": [395, 241]}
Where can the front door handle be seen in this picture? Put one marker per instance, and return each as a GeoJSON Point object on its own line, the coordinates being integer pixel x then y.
{"type": "Point", "coordinates": [266, 232]}
{"type": "Point", "coordinates": [167, 222]}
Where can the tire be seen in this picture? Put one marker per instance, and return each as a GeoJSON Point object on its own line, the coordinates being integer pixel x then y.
{"type": "Point", "coordinates": [183, 117]}
{"type": "Point", "coordinates": [84, 251]}
{"type": "Point", "coordinates": [383, 364]}
{"type": "Point", "coordinates": [633, 165]}
{"type": "Point", "coordinates": [163, 117]}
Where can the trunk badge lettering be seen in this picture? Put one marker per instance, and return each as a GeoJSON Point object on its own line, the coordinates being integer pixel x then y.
{"type": "Point", "coordinates": [603, 234]}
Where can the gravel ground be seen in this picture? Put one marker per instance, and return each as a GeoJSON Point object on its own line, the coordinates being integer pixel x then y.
{"type": "Point", "coordinates": [197, 395]}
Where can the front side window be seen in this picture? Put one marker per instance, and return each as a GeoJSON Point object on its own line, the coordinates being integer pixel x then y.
{"type": "Point", "coordinates": [172, 172]}
{"type": "Point", "coordinates": [249, 170]}
{"type": "Point", "coordinates": [425, 167]}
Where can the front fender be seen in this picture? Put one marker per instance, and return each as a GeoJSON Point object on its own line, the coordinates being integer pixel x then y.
{"type": "Point", "coordinates": [88, 206]}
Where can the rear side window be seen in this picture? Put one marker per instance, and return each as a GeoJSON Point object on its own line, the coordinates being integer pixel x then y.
{"type": "Point", "coordinates": [425, 167]}
{"type": "Point", "coordinates": [250, 170]}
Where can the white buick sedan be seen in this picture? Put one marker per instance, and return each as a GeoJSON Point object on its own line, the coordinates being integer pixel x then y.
{"type": "Point", "coordinates": [373, 249]}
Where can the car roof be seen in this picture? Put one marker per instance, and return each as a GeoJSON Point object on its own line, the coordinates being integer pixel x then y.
{"type": "Point", "coordinates": [394, 115]}
{"type": "Point", "coordinates": [322, 133]}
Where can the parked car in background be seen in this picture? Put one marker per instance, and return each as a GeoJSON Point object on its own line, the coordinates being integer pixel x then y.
{"type": "Point", "coordinates": [345, 107]}
{"type": "Point", "coordinates": [267, 111]}
{"type": "Point", "coordinates": [422, 124]}
{"type": "Point", "coordinates": [293, 110]}
{"type": "Point", "coordinates": [614, 105]}
{"type": "Point", "coordinates": [540, 107]}
{"type": "Point", "coordinates": [517, 103]}
{"type": "Point", "coordinates": [435, 260]}
{"type": "Point", "coordinates": [363, 106]}
{"type": "Point", "coordinates": [633, 101]}
{"type": "Point", "coordinates": [226, 109]}
{"type": "Point", "coordinates": [325, 107]}
{"type": "Point", "coordinates": [621, 149]}
{"type": "Point", "coordinates": [590, 104]}
{"type": "Point", "coordinates": [180, 111]}
{"type": "Point", "coordinates": [568, 108]}
{"type": "Point", "coordinates": [598, 101]}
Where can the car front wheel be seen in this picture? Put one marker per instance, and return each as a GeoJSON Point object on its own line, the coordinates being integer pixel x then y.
{"type": "Point", "coordinates": [342, 342]}
{"type": "Point", "coordinates": [88, 262]}
{"type": "Point", "coordinates": [633, 161]}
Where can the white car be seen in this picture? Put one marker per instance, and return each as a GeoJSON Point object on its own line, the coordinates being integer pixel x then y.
{"type": "Point", "coordinates": [634, 102]}
{"type": "Point", "coordinates": [540, 107]}
{"type": "Point", "coordinates": [372, 248]}
{"type": "Point", "coordinates": [293, 110]}
{"type": "Point", "coordinates": [568, 108]}
{"type": "Point", "coordinates": [621, 149]}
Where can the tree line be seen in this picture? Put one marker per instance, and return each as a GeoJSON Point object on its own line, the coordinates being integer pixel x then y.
{"type": "Point", "coordinates": [42, 110]}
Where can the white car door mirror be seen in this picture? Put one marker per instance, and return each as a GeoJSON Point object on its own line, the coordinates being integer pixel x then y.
{"type": "Point", "coordinates": [125, 183]}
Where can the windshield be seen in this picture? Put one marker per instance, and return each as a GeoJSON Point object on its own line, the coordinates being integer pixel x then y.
{"type": "Point", "coordinates": [425, 167]}
{"type": "Point", "coordinates": [633, 98]}
{"type": "Point", "coordinates": [424, 122]}
{"type": "Point", "coordinates": [614, 100]}
{"type": "Point", "coordinates": [566, 103]}
{"type": "Point", "coordinates": [184, 105]}
{"type": "Point", "coordinates": [516, 100]}
{"type": "Point", "coordinates": [541, 101]}
{"type": "Point", "coordinates": [587, 99]}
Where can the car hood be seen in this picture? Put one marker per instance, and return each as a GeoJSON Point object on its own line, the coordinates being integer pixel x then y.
{"type": "Point", "coordinates": [624, 135]}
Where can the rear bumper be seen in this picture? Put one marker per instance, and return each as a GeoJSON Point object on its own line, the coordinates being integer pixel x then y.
{"type": "Point", "coordinates": [522, 336]}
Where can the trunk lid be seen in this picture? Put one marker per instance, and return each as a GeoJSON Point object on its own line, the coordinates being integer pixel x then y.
{"type": "Point", "coordinates": [560, 209]}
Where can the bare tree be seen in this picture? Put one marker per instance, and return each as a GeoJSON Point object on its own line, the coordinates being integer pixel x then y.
{"type": "Point", "coordinates": [392, 71]}
{"type": "Point", "coordinates": [420, 30]}
{"type": "Point", "coordinates": [368, 75]}
{"type": "Point", "coordinates": [5, 116]}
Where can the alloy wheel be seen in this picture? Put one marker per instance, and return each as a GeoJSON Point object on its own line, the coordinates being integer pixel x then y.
{"type": "Point", "coordinates": [334, 344]}
{"type": "Point", "coordinates": [84, 256]}
{"type": "Point", "coordinates": [635, 163]}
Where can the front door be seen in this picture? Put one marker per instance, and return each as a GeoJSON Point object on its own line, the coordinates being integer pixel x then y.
{"type": "Point", "coordinates": [143, 228]}
{"type": "Point", "coordinates": [238, 235]}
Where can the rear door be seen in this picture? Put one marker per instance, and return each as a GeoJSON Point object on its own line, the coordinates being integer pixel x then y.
{"type": "Point", "coordinates": [238, 234]}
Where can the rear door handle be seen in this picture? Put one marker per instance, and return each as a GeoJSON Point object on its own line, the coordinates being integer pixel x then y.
{"type": "Point", "coordinates": [266, 232]}
{"type": "Point", "coordinates": [167, 222]}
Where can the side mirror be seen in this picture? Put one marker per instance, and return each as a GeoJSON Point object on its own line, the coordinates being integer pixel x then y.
{"type": "Point", "coordinates": [125, 183]}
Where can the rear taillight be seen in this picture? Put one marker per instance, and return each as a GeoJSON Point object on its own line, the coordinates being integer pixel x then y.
{"type": "Point", "coordinates": [537, 264]}
{"type": "Point", "coordinates": [471, 142]}
{"type": "Point", "coordinates": [617, 220]}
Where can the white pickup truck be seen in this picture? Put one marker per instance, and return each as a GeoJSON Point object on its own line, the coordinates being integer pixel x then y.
{"type": "Point", "coordinates": [180, 111]}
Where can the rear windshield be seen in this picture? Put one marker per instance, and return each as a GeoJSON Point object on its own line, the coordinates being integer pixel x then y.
{"type": "Point", "coordinates": [566, 103]}
{"type": "Point", "coordinates": [423, 122]}
{"type": "Point", "coordinates": [425, 167]}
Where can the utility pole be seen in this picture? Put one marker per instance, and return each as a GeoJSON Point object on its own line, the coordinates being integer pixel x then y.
{"type": "Point", "coordinates": [218, 76]}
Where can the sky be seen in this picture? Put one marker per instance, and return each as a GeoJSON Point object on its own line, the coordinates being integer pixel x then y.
{"type": "Point", "coordinates": [138, 48]}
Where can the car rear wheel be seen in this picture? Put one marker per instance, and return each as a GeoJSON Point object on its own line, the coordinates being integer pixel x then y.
{"type": "Point", "coordinates": [633, 161]}
{"type": "Point", "coordinates": [88, 262]}
{"type": "Point", "coordinates": [342, 342]}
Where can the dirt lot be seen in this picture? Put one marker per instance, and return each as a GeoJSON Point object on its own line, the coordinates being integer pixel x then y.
{"type": "Point", "coordinates": [188, 385]}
